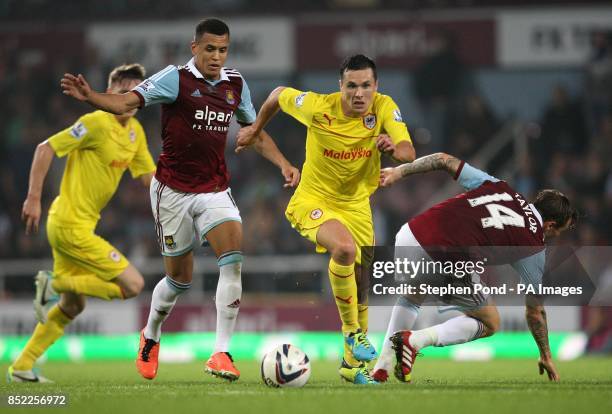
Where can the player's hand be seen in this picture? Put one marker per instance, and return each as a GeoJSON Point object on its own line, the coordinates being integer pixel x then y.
{"type": "Point", "coordinates": [30, 214]}
{"type": "Point", "coordinates": [548, 366]}
{"type": "Point", "coordinates": [389, 176]}
{"type": "Point", "coordinates": [246, 137]}
{"type": "Point", "coordinates": [292, 176]}
{"type": "Point", "coordinates": [385, 145]}
{"type": "Point", "coordinates": [75, 86]}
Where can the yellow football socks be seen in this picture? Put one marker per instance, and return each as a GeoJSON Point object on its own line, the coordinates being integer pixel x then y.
{"type": "Point", "coordinates": [344, 287]}
{"type": "Point", "coordinates": [363, 316]}
{"type": "Point", "coordinates": [87, 285]}
{"type": "Point", "coordinates": [43, 337]}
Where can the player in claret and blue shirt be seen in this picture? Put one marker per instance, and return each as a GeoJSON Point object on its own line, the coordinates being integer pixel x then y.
{"type": "Point", "coordinates": [488, 215]}
{"type": "Point", "coordinates": [190, 197]}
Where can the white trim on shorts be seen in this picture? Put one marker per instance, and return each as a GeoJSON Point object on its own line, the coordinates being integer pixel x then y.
{"type": "Point", "coordinates": [183, 219]}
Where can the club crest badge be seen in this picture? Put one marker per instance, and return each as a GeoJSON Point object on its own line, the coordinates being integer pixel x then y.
{"type": "Point", "coordinates": [369, 121]}
{"type": "Point", "coordinates": [169, 242]}
{"type": "Point", "coordinates": [229, 97]}
{"type": "Point", "coordinates": [316, 214]}
{"type": "Point", "coordinates": [132, 136]}
{"type": "Point", "coordinates": [115, 256]}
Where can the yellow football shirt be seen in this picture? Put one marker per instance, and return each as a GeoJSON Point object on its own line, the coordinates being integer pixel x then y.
{"type": "Point", "coordinates": [342, 161]}
{"type": "Point", "coordinates": [99, 150]}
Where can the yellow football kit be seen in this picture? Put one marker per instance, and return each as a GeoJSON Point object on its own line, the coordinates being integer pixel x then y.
{"type": "Point", "coordinates": [341, 171]}
{"type": "Point", "coordinates": [342, 167]}
{"type": "Point", "coordinates": [99, 150]}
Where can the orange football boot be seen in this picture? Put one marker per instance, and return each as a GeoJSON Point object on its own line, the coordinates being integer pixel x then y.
{"type": "Point", "coordinates": [148, 352]}
{"type": "Point", "coordinates": [221, 364]}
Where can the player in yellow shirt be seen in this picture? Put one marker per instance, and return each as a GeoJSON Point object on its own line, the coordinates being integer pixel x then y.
{"type": "Point", "coordinates": [347, 132]}
{"type": "Point", "coordinates": [100, 147]}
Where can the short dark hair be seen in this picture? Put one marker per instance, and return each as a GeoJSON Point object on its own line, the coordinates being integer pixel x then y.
{"type": "Point", "coordinates": [212, 26]}
{"type": "Point", "coordinates": [554, 205]}
{"type": "Point", "coordinates": [358, 62]}
{"type": "Point", "coordinates": [126, 71]}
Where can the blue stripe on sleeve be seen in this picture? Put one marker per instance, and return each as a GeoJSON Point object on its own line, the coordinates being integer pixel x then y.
{"type": "Point", "coordinates": [471, 177]}
{"type": "Point", "coordinates": [531, 268]}
{"type": "Point", "coordinates": [246, 113]}
{"type": "Point", "coordinates": [162, 87]}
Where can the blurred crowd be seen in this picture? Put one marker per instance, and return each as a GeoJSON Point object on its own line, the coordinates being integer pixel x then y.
{"type": "Point", "coordinates": [66, 10]}
{"type": "Point", "coordinates": [569, 148]}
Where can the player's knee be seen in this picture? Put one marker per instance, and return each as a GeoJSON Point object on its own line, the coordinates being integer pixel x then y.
{"type": "Point", "coordinates": [72, 308]}
{"type": "Point", "coordinates": [491, 327]}
{"type": "Point", "coordinates": [345, 252]}
{"type": "Point", "coordinates": [133, 287]}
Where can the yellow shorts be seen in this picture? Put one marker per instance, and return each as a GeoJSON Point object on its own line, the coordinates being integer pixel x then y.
{"type": "Point", "coordinates": [79, 252]}
{"type": "Point", "coordinates": [307, 214]}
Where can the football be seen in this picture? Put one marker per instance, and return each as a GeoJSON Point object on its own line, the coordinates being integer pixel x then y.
{"type": "Point", "coordinates": [285, 366]}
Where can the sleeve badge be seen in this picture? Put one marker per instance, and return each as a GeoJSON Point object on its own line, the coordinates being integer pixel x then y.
{"type": "Point", "coordinates": [78, 130]}
{"type": "Point", "coordinates": [299, 100]}
{"type": "Point", "coordinates": [397, 115]}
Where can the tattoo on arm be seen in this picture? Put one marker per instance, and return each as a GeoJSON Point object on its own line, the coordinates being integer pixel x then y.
{"type": "Point", "coordinates": [433, 162]}
{"type": "Point", "coordinates": [536, 320]}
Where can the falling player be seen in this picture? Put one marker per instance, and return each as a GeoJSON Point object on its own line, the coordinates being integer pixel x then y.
{"type": "Point", "coordinates": [347, 132]}
{"type": "Point", "coordinates": [190, 197]}
{"type": "Point", "coordinates": [100, 147]}
{"type": "Point", "coordinates": [490, 213]}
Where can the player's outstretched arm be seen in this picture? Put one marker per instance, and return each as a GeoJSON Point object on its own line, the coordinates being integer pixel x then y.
{"type": "Point", "coordinates": [31, 211]}
{"type": "Point", "coordinates": [536, 320]}
{"type": "Point", "coordinates": [248, 135]}
{"type": "Point", "coordinates": [433, 162]}
{"type": "Point", "coordinates": [78, 88]}
{"type": "Point", "coordinates": [266, 146]}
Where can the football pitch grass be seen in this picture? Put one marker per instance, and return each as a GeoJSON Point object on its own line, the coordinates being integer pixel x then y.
{"type": "Point", "coordinates": [499, 386]}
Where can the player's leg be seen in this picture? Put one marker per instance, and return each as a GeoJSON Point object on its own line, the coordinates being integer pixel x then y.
{"type": "Point", "coordinates": [405, 311]}
{"type": "Point", "coordinates": [337, 239]}
{"type": "Point", "coordinates": [363, 286]}
{"type": "Point", "coordinates": [179, 270]}
{"type": "Point", "coordinates": [174, 226]}
{"type": "Point", "coordinates": [474, 324]}
{"type": "Point", "coordinates": [365, 256]}
{"type": "Point", "coordinates": [84, 264]}
{"type": "Point", "coordinates": [403, 316]}
{"type": "Point", "coordinates": [130, 281]}
{"type": "Point", "coordinates": [126, 285]}
{"type": "Point", "coordinates": [70, 305]}
{"type": "Point", "coordinates": [226, 241]}
{"type": "Point", "coordinates": [308, 216]}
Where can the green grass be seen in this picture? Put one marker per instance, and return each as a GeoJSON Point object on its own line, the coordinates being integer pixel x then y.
{"type": "Point", "coordinates": [500, 386]}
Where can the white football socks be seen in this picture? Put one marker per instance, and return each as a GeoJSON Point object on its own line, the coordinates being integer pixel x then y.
{"type": "Point", "coordinates": [227, 298]}
{"type": "Point", "coordinates": [403, 317]}
{"type": "Point", "coordinates": [163, 299]}
{"type": "Point", "coordinates": [454, 331]}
